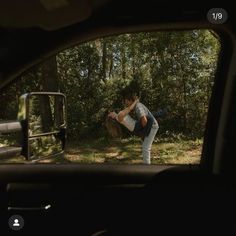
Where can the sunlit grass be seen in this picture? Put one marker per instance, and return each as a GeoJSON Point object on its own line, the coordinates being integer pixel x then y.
{"type": "Point", "coordinates": [129, 151]}
{"type": "Point", "coordinates": [126, 151]}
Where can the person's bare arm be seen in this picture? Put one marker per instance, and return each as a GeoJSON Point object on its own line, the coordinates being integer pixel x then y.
{"type": "Point", "coordinates": [126, 111]}
{"type": "Point", "coordinates": [143, 121]}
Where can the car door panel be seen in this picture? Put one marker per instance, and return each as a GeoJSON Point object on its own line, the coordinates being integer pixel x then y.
{"type": "Point", "coordinates": [119, 200]}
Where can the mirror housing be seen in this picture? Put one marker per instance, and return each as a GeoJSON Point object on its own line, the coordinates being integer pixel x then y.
{"type": "Point", "coordinates": [41, 123]}
{"type": "Point", "coordinates": [43, 120]}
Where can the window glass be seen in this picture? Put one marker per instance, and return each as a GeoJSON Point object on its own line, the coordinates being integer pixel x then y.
{"type": "Point", "coordinates": [170, 72]}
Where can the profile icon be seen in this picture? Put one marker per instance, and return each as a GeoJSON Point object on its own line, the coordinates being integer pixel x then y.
{"type": "Point", "coordinates": [16, 223]}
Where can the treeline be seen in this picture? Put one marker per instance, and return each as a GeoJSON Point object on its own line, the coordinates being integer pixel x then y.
{"type": "Point", "coordinates": [169, 70]}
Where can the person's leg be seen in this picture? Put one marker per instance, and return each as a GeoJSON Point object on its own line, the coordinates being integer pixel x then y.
{"type": "Point", "coordinates": [147, 145]}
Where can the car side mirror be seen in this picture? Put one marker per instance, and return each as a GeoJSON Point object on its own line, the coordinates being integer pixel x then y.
{"type": "Point", "coordinates": [43, 120]}
{"type": "Point", "coordinates": [42, 123]}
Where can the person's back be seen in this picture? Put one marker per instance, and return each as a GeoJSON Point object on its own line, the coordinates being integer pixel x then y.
{"type": "Point", "coordinates": [142, 110]}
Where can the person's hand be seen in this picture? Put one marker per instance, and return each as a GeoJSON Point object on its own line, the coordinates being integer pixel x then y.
{"type": "Point", "coordinates": [112, 115]}
{"type": "Point", "coordinates": [136, 100]}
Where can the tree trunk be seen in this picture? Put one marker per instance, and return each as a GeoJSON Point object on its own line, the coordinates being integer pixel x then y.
{"type": "Point", "coordinates": [104, 60]}
{"type": "Point", "coordinates": [123, 63]}
{"type": "Point", "coordinates": [50, 83]}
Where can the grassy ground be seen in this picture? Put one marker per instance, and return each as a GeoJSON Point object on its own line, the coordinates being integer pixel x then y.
{"type": "Point", "coordinates": [164, 151]}
{"type": "Point", "coordinates": [129, 151]}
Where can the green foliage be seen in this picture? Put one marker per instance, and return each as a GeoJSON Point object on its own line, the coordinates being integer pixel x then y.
{"type": "Point", "coordinates": [173, 70]}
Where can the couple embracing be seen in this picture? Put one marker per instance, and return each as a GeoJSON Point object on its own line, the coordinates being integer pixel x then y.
{"type": "Point", "coordinates": [144, 126]}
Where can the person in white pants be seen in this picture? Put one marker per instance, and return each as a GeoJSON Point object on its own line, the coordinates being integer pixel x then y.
{"type": "Point", "coordinates": [146, 126]}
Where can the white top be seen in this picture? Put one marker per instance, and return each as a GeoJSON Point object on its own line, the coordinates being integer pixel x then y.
{"type": "Point", "coordinates": [128, 122]}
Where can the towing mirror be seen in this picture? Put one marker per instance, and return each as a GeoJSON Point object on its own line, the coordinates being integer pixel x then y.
{"type": "Point", "coordinates": [43, 119]}
{"type": "Point", "coordinates": [42, 124]}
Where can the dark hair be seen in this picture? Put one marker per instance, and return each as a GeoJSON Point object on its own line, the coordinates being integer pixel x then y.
{"type": "Point", "coordinates": [113, 128]}
{"type": "Point", "coordinates": [128, 93]}
{"type": "Point", "coordinates": [132, 90]}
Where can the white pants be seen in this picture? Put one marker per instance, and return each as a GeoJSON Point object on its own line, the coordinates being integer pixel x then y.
{"type": "Point", "coordinates": [147, 144]}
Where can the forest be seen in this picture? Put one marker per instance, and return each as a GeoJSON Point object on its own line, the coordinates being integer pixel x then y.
{"type": "Point", "coordinates": [172, 71]}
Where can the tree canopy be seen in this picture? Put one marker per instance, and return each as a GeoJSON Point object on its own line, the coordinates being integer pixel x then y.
{"type": "Point", "coordinates": [171, 70]}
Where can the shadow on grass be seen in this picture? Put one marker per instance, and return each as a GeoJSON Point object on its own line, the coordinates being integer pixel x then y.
{"type": "Point", "coordinates": [105, 151]}
{"type": "Point", "coordinates": [124, 151]}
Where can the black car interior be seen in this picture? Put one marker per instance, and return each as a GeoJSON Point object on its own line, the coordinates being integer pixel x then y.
{"type": "Point", "coordinates": [130, 199]}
